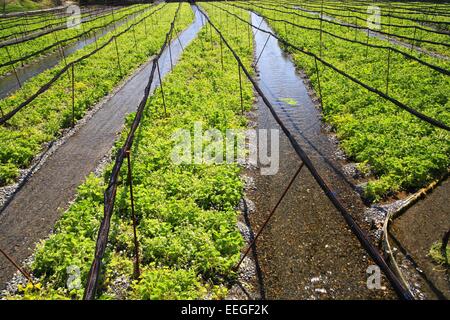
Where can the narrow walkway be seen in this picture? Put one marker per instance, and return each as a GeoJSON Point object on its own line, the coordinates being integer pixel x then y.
{"type": "Point", "coordinates": [32, 213]}
{"type": "Point", "coordinates": [307, 251]}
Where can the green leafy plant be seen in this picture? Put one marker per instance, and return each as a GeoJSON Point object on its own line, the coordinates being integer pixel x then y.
{"type": "Point", "coordinates": [187, 218]}
{"type": "Point", "coordinates": [436, 253]}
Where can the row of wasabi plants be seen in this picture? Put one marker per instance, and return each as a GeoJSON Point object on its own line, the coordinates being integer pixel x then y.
{"type": "Point", "coordinates": [396, 18]}
{"type": "Point", "coordinates": [17, 26]}
{"type": "Point", "coordinates": [400, 150]}
{"type": "Point", "coordinates": [41, 121]}
{"type": "Point", "coordinates": [188, 237]}
{"type": "Point", "coordinates": [20, 50]}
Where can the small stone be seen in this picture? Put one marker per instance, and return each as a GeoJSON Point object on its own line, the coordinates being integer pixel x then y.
{"type": "Point", "coordinates": [320, 290]}
{"type": "Point", "coordinates": [315, 279]}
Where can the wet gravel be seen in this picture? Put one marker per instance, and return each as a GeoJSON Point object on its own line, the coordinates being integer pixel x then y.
{"type": "Point", "coordinates": [307, 250]}
{"type": "Point", "coordinates": [412, 235]}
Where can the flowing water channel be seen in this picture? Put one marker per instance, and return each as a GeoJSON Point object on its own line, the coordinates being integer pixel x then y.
{"type": "Point", "coordinates": [307, 251]}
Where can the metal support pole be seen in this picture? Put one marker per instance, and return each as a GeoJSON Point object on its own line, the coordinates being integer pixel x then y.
{"type": "Point", "coordinates": [388, 70]}
{"type": "Point", "coordinates": [318, 81]}
{"type": "Point", "coordinates": [201, 39]}
{"type": "Point", "coordinates": [414, 39]}
{"type": "Point", "coordinates": [118, 57]}
{"type": "Point", "coordinates": [226, 16]}
{"type": "Point", "coordinates": [221, 54]}
{"type": "Point", "coordinates": [179, 41]}
{"type": "Point", "coordinates": [162, 89]}
{"type": "Point", "coordinates": [259, 26]}
{"type": "Point", "coordinates": [285, 31]}
{"type": "Point", "coordinates": [367, 42]}
{"type": "Point", "coordinates": [85, 35]}
{"type": "Point", "coordinates": [152, 23]}
{"type": "Point", "coordinates": [211, 36]}
{"type": "Point", "coordinates": [18, 49]}
{"type": "Point", "coordinates": [145, 26]}
{"type": "Point", "coordinates": [389, 19]}
{"type": "Point", "coordinates": [14, 68]}
{"type": "Point", "coordinates": [133, 215]}
{"type": "Point", "coordinates": [134, 36]}
{"type": "Point", "coordinates": [114, 19]}
{"type": "Point", "coordinates": [170, 52]}
{"type": "Point", "coordinates": [248, 34]}
{"type": "Point", "coordinates": [444, 245]}
{"type": "Point", "coordinates": [26, 23]}
{"type": "Point", "coordinates": [268, 218]}
{"type": "Point", "coordinates": [240, 89]}
{"type": "Point", "coordinates": [260, 54]}
{"type": "Point", "coordinates": [16, 265]}
{"type": "Point", "coordinates": [321, 22]}
{"type": "Point", "coordinates": [61, 50]}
